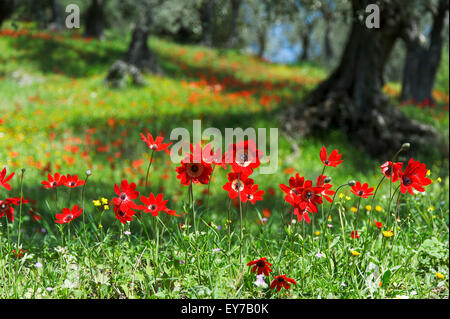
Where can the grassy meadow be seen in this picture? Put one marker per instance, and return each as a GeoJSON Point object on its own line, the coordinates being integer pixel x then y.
{"type": "Point", "coordinates": [56, 115]}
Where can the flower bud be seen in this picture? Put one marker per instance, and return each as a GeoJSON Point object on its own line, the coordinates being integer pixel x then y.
{"type": "Point", "coordinates": [23, 170]}
{"type": "Point", "coordinates": [352, 183]}
{"type": "Point", "coordinates": [405, 147]}
{"type": "Point", "coordinates": [88, 172]}
{"type": "Point", "coordinates": [327, 180]}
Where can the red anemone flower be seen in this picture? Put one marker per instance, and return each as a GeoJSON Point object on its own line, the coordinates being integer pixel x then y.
{"type": "Point", "coordinates": [3, 180]}
{"type": "Point", "coordinates": [282, 281]}
{"type": "Point", "coordinates": [194, 169]}
{"type": "Point", "coordinates": [238, 184]}
{"type": "Point", "coordinates": [54, 181]}
{"type": "Point", "coordinates": [326, 192]}
{"type": "Point", "coordinates": [7, 208]}
{"type": "Point", "coordinates": [253, 194]}
{"type": "Point", "coordinates": [388, 167]}
{"type": "Point", "coordinates": [362, 191]}
{"type": "Point", "coordinates": [333, 160]}
{"type": "Point", "coordinates": [124, 205]}
{"type": "Point", "coordinates": [68, 215]}
{"type": "Point", "coordinates": [294, 184]}
{"type": "Point", "coordinates": [302, 214]}
{"type": "Point", "coordinates": [154, 205]}
{"type": "Point", "coordinates": [308, 197]}
{"type": "Point", "coordinates": [354, 234]}
{"type": "Point", "coordinates": [414, 176]}
{"type": "Point", "coordinates": [211, 157]}
{"type": "Point", "coordinates": [378, 224]}
{"type": "Point", "coordinates": [243, 157]}
{"type": "Point", "coordinates": [261, 266]}
{"type": "Point", "coordinates": [73, 181]}
{"type": "Point", "coordinates": [155, 144]}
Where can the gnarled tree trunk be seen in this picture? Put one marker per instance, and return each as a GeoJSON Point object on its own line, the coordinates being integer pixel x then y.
{"type": "Point", "coordinates": [352, 98]}
{"type": "Point", "coordinates": [233, 35]}
{"type": "Point", "coordinates": [422, 58]}
{"type": "Point", "coordinates": [138, 53]}
{"type": "Point", "coordinates": [95, 20]}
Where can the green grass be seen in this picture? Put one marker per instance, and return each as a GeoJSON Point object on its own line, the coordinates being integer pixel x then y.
{"type": "Point", "coordinates": [65, 120]}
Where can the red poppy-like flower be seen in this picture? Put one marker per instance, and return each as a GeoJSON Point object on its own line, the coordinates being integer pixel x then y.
{"type": "Point", "coordinates": [68, 215]}
{"type": "Point", "coordinates": [308, 196]}
{"type": "Point", "coordinates": [211, 157]}
{"type": "Point", "coordinates": [253, 194]}
{"type": "Point", "coordinates": [302, 214]}
{"type": "Point", "coordinates": [4, 180]}
{"type": "Point", "coordinates": [54, 181]}
{"type": "Point", "coordinates": [73, 181]}
{"type": "Point", "coordinates": [7, 208]}
{"type": "Point", "coordinates": [124, 205]}
{"type": "Point", "coordinates": [238, 184]}
{"type": "Point", "coordinates": [326, 192]}
{"type": "Point", "coordinates": [362, 191]}
{"type": "Point", "coordinates": [354, 234]}
{"type": "Point", "coordinates": [378, 224]}
{"type": "Point", "coordinates": [193, 168]}
{"type": "Point", "coordinates": [333, 160]}
{"type": "Point", "coordinates": [294, 184]}
{"type": "Point", "coordinates": [414, 177]}
{"type": "Point", "coordinates": [155, 144]}
{"type": "Point", "coordinates": [282, 281]}
{"type": "Point", "coordinates": [20, 254]}
{"type": "Point", "coordinates": [154, 205]}
{"type": "Point", "coordinates": [261, 266]}
{"type": "Point", "coordinates": [243, 157]}
{"type": "Point", "coordinates": [388, 167]}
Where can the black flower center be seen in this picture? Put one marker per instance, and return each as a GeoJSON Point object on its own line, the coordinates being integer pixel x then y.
{"type": "Point", "coordinates": [123, 196]}
{"type": "Point", "coordinates": [260, 263]}
{"type": "Point", "coordinates": [361, 192]}
{"type": "Point", "coordinates": [194, 168]}
{"type": "Point", "coordinates": [406, 181]}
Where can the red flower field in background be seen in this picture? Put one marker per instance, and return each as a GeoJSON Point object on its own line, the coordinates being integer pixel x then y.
{"type": "Point", "coordinates": [260, 266]}
{"type": "Point", "coordinates": [282, 281]}
{"type": "Point", "coordinates": [68, 215]}
{"type": "Point", "coordinates": [4, 179]}
{"type": "Point", "coordinates": [362, 191]}
{"type": "Point", "coordinates": [333, 160]}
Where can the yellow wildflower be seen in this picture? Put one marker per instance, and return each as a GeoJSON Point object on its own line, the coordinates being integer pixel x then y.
{"type": "Point", "coordinates": [106, 207]}
{"type": "Point", "coordinates": [387, 233]}
{"type": "Point", "coordinates": [431, 208]}
{"type": "Point", "coordinates": [104, 201]}
{"type": "Point", "coordinates": [439, 179]}
{"type": "Point", "coordinates": [341, 196]}
{"type": "Point", "coordinates": [100, 226]}
{"type": "Point", "coordinates": [317, 233]}
{"type": "Point", "coordinates": [96, 202]}
{"type": "Point", "coordinates": [428, 172]}
{"type": "Point", "coordinates": [378, 208]}
{"type": "Point", "coordinates": [354, 253]}
{"type": "Point", "coordinates": [329, 218]}
{"type": "Point", "coordinates": [439, 275]}
{"type": "Point", "coordinates": [354, 209]}
{"type": "Point", "coordinates": [368, 208]}
{"type": "Point", "coordinates": [348, 197]}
